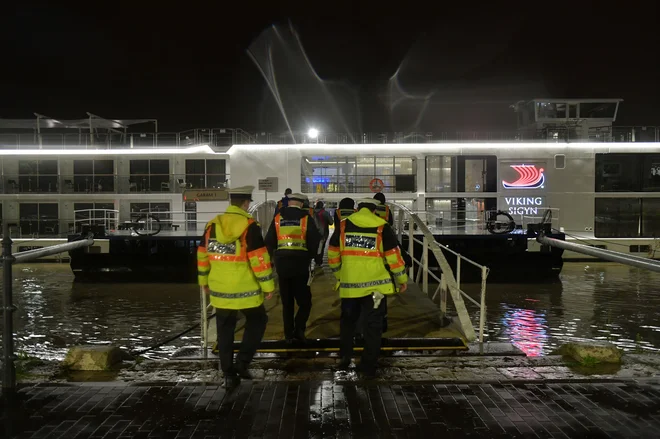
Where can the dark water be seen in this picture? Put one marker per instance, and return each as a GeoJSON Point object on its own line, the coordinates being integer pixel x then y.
{"type": "Point", "coordinates": [592, 301]}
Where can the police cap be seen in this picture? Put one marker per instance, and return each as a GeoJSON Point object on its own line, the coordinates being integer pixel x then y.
{"type": "Point", "coordinates": [243, 192]}
{"type": "Point", "coordinates": [369, 203]}
{"type": "Point", "coordinates": [299, 197]}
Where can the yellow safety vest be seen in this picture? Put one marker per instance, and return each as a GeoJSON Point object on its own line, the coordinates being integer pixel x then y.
{"type": "Point", "coordinates": [235, 277]}
{"type": "Point", "coordinates": [383, 211]}
{"type": "Point", "coordinates": [291, 234]}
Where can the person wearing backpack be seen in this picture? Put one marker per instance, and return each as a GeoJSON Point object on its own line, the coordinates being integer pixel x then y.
{"type": "Point", "coordinates": [324, 221]}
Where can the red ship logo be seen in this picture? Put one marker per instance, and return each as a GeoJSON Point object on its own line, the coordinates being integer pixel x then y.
{"type": "Point", "coordinates": [529, 177]}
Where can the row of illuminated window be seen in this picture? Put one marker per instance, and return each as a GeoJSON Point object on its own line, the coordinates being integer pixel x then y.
{"type": "Point", "coordinates": [100, 176]}
{"type": "Point", "coordinates": [334, 174]}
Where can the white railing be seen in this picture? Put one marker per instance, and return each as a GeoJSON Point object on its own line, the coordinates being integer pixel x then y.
{"type": "Point", "coordinates": [109, 218]}
{"type": "Point", "coordinates": [447, 281]}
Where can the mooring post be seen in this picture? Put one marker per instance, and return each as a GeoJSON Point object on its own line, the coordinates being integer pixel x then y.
{"type": "Point", "coordinates": [9, 378]}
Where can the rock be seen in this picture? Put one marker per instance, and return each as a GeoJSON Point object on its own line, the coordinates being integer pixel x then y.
{"type": "Point", "coordinates": [93, 357]}
{"type": "Point", "coordinates": [596, 352]}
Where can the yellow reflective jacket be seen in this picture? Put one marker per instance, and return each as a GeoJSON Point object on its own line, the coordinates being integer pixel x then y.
{"type": "Point", "coordinates": [344, 213]}
{"type": "Point", "coordinates": [365, 256]}
{"type": "Point", "coordinates": [233, 261]}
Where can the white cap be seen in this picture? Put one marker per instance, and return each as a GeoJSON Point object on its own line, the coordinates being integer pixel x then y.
{"type": "Point", "coordinates": [298, 197]}
{"type": "Point", "coordinates": [241, 192]}
{"type": "Point", "coordinates": [373, 201]}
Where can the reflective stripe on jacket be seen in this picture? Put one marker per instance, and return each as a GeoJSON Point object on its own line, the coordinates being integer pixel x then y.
{"type": "Point", "coordinates": [291, 233]}
{"type": "Point", "coordinates": [360, 260]}
{"type": "Point", "coordinates": [233, 261]}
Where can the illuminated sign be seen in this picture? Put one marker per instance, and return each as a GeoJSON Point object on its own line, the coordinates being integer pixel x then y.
{"type": "Point", "coordinates": [523, 205]}
{"type": "Point", "coordinates": [529, 177]}
{"type": "Point", "coordinates": [205, 195]}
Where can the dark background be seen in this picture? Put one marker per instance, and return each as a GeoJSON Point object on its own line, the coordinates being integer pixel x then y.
{"type": "Point", "coordinates": [381, 66]}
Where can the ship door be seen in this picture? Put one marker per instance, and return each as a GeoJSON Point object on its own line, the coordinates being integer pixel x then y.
{"type": "Point", "coordinates": [191, 215]}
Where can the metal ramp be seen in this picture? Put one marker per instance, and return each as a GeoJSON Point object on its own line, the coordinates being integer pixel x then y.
{"type": "Point", "coordinates": [416, 320]}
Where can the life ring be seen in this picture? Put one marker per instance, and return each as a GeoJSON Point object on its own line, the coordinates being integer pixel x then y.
{"type": "Point", "coordinates": [376, 185]}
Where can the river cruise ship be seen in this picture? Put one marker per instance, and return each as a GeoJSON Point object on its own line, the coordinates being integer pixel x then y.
{"type": "Point", "coordinates": [567, 164]}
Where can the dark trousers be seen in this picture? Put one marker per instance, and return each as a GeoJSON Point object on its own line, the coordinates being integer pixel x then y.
{"type": "Point", "coordinates": [351, 309]}
{"type": "Point", "coordinates": [295, 290]}
{"type": "Point", "coordinates": [255, 327]}
{"type": "Point", "coordinates": [359, 328]}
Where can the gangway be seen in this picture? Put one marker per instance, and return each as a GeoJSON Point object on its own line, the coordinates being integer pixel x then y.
{"type": "Point", "coordinates": [417, 319]}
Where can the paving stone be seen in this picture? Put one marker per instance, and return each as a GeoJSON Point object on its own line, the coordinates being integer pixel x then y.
{"type": "Point", "coordinates": [318, 408]}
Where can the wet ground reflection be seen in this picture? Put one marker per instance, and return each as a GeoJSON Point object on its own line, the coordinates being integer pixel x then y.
{"type": "Point", "coordinates": [595, 301]}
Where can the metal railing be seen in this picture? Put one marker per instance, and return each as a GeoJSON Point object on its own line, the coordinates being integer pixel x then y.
{"type": "Point", "coordinates": [8, 260]}
{"type": "Point", "coordinates": [226, 137]}
{"type": "Point", "coordinates": [475, 222]}
{"type": "Point", "coordinates": [219, 137]}
{"type": "Point", "coordinates": [447, 281]}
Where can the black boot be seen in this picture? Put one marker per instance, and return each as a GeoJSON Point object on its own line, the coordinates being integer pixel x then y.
{"type": "Point", "coordinates": [300, 336]}
{"type": "Point", "coordinates": [368, 373]}
{"type": "Point", "coordinates": [242, 371]}
{"type": "Point", "coordinates": [232, 380]}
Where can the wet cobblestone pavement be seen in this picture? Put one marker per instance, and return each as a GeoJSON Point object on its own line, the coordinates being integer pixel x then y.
{"type": "Point", "coordinates": [323, 409]}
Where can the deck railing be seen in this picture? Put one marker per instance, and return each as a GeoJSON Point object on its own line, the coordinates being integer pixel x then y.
{"type": "Point", "coordinates": [226, 137]}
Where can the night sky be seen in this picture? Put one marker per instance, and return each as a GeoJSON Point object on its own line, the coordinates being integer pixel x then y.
{"type": "Point", "coordinates": [367, 68]}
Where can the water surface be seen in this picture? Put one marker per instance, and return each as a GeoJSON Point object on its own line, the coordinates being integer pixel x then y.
{"type": "Point", "coordinates": [598, 301]}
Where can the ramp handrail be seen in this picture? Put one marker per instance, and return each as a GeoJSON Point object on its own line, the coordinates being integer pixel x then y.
{"type": "Point", "coordinates": [8, 260]}
{"type": "Point", "coordinates": [453, 283]}
{"type": "Point", "coordinates": [608, 255]}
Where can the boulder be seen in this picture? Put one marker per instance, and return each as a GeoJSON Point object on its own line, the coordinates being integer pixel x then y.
{"type": "Point", "coordinates": [93, 357]}
{"type": "Point", "coordinates": [598, 352]}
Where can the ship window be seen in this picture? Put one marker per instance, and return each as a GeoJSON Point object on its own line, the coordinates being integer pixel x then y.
{"type": "Point", "coordinates": [550, 110]}
{"type": "Point", "coordinates": [618, 172]}
{"type": "Point", "coordinates": [617, 218]}
{"type": "Point", "coordinates": [201, 173]}
{"type": "Point", "coordinates": [440, 174]}
{"type": "Point", "coordinates": [36, 176]}
{"type": "Point", "coordinates": [331, 174]}
{"type": "Point", "coordinates": [597, 110]}
{"type": "Point", "coordinates": [93, 176]}
{"type": "Point", "coordinates": [560, 161]}
{"type": "Point", "coordinates": [39, 219]}
{"type": "Point", "coordinates": [650, 172]}
{"type": "Point", "coordinates": [150, 175]}
{"type": "Point", "coordinates": [650, 217]}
